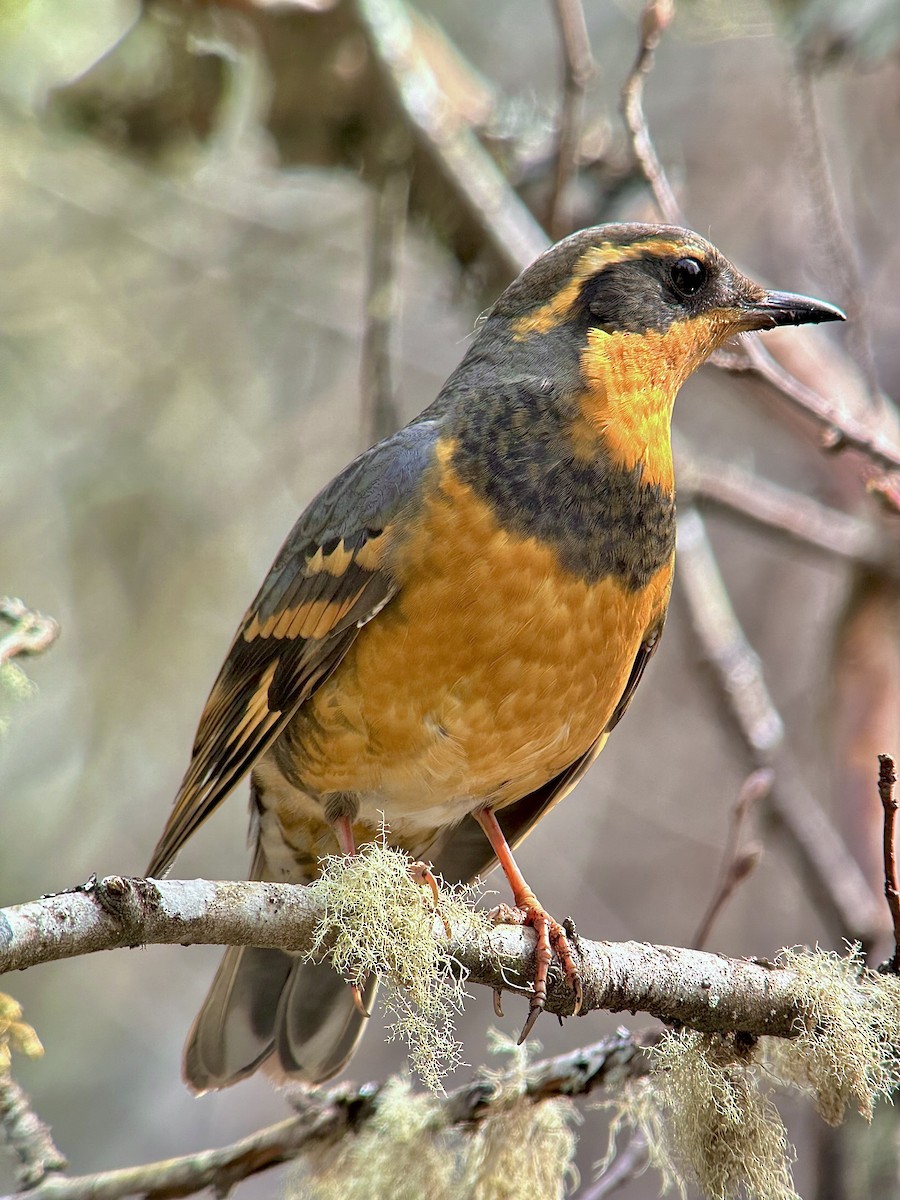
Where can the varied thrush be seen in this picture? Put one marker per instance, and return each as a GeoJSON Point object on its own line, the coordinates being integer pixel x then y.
{"type": "Point", "coordinates": [458, 621]}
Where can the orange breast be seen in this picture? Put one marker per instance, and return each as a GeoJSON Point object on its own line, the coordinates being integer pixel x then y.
{"type": "Point", "coordinates": [491, 670]}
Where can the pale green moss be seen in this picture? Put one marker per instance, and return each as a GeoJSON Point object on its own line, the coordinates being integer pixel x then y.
{"type": "Point", "coordinates": [703, 1117]}
{"type": "Point", "coordinates": [378, 921]}
{"type": "Point", "coordinates": [703, 1113]}
{"type": "Point", "coordinates": [846, 1051]}
{"type": "Point", "coordinates": [407, 1151]}
{"type": "Point", "coordinates": [521, 1148]}
{"type": "Point", "coordinates": [639, 1108]}
{"type": "Point", "coordinates": [402, 1152]}
{"type": "Point", "coordinates": [721, 1125]}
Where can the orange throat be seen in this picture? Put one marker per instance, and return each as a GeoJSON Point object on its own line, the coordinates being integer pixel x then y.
{"type": "Point", "coordinates": [633, 379]}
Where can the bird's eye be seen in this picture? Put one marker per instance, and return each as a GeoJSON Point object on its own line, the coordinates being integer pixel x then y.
{"type": "Point", "coordinates": [688, 276]}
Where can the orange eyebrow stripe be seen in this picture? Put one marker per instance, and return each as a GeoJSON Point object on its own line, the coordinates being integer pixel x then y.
{"type": "Point", "coordinates": [559, 307]}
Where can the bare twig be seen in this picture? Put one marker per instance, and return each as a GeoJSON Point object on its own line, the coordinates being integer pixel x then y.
{"type": "Point", "coordinates": [737, 863]}
{"type": "Point", "coordinates": [379, 415]}
{"type": "Point", "coordinates": [31, 632]}
{"type": "Point", "coordinates": [841, 251]}
{"type": "Point", "coordinates": [842, 429]}
{"type": "Point", "coordinates": [627, 1165]}
{"type": "Point", "coordinates": [578, 66]}
{"type": "Point", "coordinates": [218, 1170]}
{"type": "Point", "coordinates": [832, 873]}
{"type": "Point", "coordinates": [655, 18]}
{"type": "Point", "coordinates": [801, 520]}
{"type": "Point", "coordinates": [706, 992]}
{"type": "Point", "coordinates": [324, 1116]}
{"type": "Point", "coordinates": [725, 647]}
{"type": "Point", "coordinates": [887, 777]}
{"type": "Point", "coordinates": [478, 185]}
{"type": "Point", "coordinates": [26, 1135]}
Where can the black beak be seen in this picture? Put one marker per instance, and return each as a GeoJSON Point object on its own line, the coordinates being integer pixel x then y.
{"type": "Point", "coordinates": [784, 308]}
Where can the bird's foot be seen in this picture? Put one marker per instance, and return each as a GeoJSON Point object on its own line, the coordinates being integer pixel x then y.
{"type": "Point", "coordinates": [423, 875]}
{"type": "Point", "coordinates": [550, 936]}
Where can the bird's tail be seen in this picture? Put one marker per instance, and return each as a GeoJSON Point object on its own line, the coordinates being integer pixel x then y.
{"type": "Point", "coordinates": [268, 1007]}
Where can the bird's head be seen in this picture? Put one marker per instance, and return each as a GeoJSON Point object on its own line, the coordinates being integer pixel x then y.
{"type": "Point", "coordinates": [654, 286]}
{"type": "Point", "coordinates": [620, 315]}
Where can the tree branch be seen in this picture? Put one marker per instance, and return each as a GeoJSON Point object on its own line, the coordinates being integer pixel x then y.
{"type": "Point", "coordinates": [872, 439]}
{"type": "Point", "coordinates": [578, 66]}
{"type": "Point", "coordinates": [479, 188]}
{"type": "Point", "coordinates": [887, 777]}
{"type": "Point", "coordinates": [791, 515]}
{"type": "Point", "coordinates": [325, 1115]}
{"type": "Point", "coordinates": [26, 1134]}
{"type": "Point", "coordinates": [843, 430]}
{"type": "Point", "coordinates": [379, 408]}
{"type": "Point", "coordinates": [655, 18]}
{"type": "Point", "coordinates": [704, 991]}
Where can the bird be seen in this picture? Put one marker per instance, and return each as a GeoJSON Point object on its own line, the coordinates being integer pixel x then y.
{"type": "Point", "coordinates": [458, 621]}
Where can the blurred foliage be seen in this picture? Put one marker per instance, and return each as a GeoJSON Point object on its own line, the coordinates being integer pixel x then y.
{"type": "Point", "coordinates": [829, 33]}
{"type": "Point", "coordinates": [15, 1034]}
{"type": "Point", "coordinates": [186, 204]}
{"type": "Point", "coordinates": [48, 43]}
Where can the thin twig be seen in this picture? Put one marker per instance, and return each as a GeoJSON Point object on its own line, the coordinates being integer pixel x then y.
{"type": "Point", "coordinates": [838, 246]}
{"type": "Point", "coordinates": [26, 1135]}
{"type": "Point", "coordinates": [31, 631]}
{"type": "Point", "coordinates": [379, 415]}
{"type": "Point", "coordinates": [218, 1170]}
{"type": "Point", "coordinates": [737, 863]}
{"type": "Point", "coordinates": [654, 19]}
{"type": "Point", "coordinates": [627, 1165]}
{"type": "Point", "coordinates": [842, 429]}
{"type": "Point", "coordinates": [578, 66]}
{"type": "Point", "coordinates": [887, 777]}
{"type": "Point", "coordinates": [801, 520]}
{"type": "Point", "coordinates": [833, 875]}
{"type": "Point", "coordinates": [324, 1116]}
{"type": "Point", "coordinates": [479, 187]}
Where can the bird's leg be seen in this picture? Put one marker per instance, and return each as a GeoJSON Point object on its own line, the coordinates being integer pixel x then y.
{"type": "Point", "coordinates": [550, 934]}
{"type": "Point", "coordinates": [343, 828]}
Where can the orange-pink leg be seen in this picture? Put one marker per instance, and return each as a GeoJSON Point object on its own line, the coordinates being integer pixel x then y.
{"type": "Point", "coordinates": [550, 934]}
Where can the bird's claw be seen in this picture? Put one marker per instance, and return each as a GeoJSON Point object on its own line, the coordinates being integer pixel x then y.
{"type": "Point", "coordinates": [359, 1003]}
{"type": "Point", "coordinates": [422, 874]}
{"type": "Point", "coordinates": [550, 936]}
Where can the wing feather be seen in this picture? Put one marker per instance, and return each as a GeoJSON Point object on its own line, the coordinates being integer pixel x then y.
{"type": "Point", "coordinates": [333, 574]}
